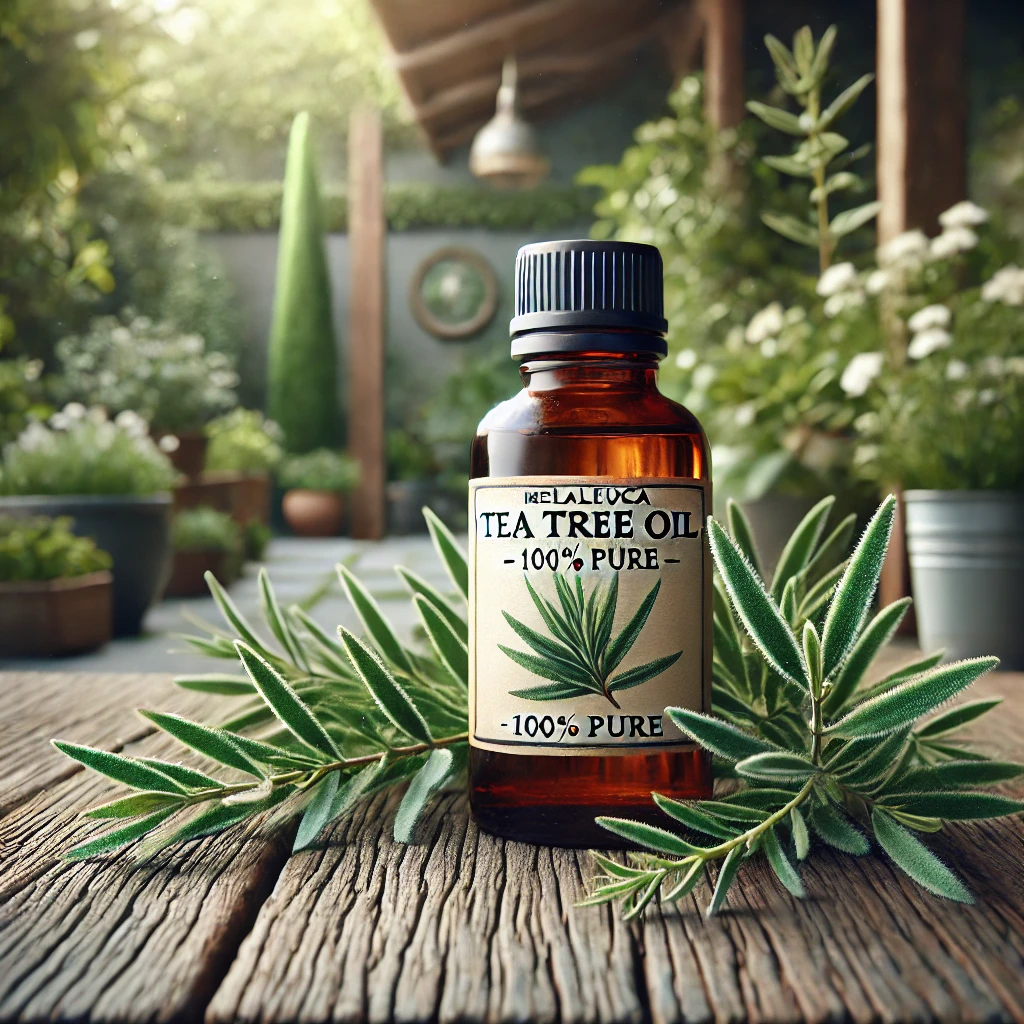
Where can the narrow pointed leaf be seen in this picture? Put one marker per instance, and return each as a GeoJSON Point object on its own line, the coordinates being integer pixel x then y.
{"type": "Point", "coordinates": [215, 744]}
{"type": "Point", "coordinates": [842, 103]}
{"type": "Point", "coordinates": [955, 774]}
{"type": "Point", "coordinates": [801, 840]}
{"type": "Point", "coordinates": [779, 766]}
{"type": "Point", "coordinates": [760, 798]}
{"type": "Point", "coordinates": [791, 228]}
{"type": "Point", "coordinates": [614, 869]}
{"type": "Point", "coordinates": [222, 816]}
{"type": "Point", "coordinates": [418, 585]}
{"type": "Point", "coordinates": [832, 550]}
{"type": "Point", "coordinates": [694, 818]}
{"type": "Point", "coordinates": [649, 836]}
{"type": "Point", "coordinates": [551, 668]}
{"type": "Point", "coordinates": [820, 63]}
{"type": "Point", "coordinates": [742, 534]}
{"type": "Point", "coordinates": [906, 702]}
{"type": "Point", "coordinates": [286, 703]}
{"type": "Point", "coordinates": [449, 551]}
{"type": "Point", "coordinates": [774, 117]}
{"type": "Point", "coordinates": [834, 828]}
{"type": "Point", "coordinates": [801, 545]}
{"type": "Point", "coordinates": [956, 718]}
{"type": "Point", "coordinates": [622, 644]}
{"type": "Point", "coordinates": [543, 645]}
{"type": "Point", "coordinates": [820, 593]}
{"type": "Point", "coordinates": [377, 627]}
{"type": "Point", "coordinates": [123, 769]}
{"type": "Point", "coordinates": [234, 618]}
{"type": "Point", "coordinates": [881, 760]}
{"type": "Point", "coordinates": [848, 221]}
{"type": "Point", "coordinates": [553, 691]}
{"type": "Point", "coordinates": [642, 673]}
{"type": "Point", "coordinates": [385, 689]}
{"type": "Point", "coordinates": [685, 885]}
{"type": "Point", "coordinates": [275, 756]}
{"type": "Point", "coordinates": [717, 736]}
{"type": "Point", "coordinates": [218, 683]}
{"type": "Point", "coordinates": [317, 813]}
{"type": "Point", "coordinates": [562, 629]}
{"type": "Point", "coordinates": [111, 841]}
{"type": "Point", "coordinates": [733, 811]}
{"type": "Point", "coordinates": [784, 870]}
{"type": "Point", "coordinates": [910, 854]}
{"type": "Point", "coordinates": [605, 602]}
{"type": "Point", "coordinates": [279, 625]}
{"type": "Point", "coordinates": [762, 620]}
{"type": "Point", "coordinates": [856, 589]}
{"type": "Point", "coordinates": [136, 804]}
{"type": "Point", "coordinates": [726, 874]}
{"type": "Point", "coordinates": [446, 643]}
{"type": "Point", "coordinates": [428, 780]}
{"type": "Point", "coordinates": [329, 650]}
{"type": "Point", "coordinates": [957, 805]}
{"type": "Point", "coordinates": [184, 776]}
{"type": "Point", "coordinates": [902, 674]}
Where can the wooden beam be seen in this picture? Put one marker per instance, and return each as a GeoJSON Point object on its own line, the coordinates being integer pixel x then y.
{"type": "Point", "coordinates": [724, 91]}
{"type": "Point", "coordinates": [681, 34]}
{"type": "Point", "coordinates": [366, 237]}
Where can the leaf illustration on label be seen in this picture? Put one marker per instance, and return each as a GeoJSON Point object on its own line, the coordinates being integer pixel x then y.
{"type": "Point", "coordinates": [579, 655]}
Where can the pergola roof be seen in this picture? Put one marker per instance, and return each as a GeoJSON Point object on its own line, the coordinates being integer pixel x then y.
{"type": "Point", "coordinates": [449, 54]}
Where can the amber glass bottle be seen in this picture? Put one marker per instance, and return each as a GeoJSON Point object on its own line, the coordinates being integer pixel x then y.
{"type": "Point", "coordinates": [590, 572]}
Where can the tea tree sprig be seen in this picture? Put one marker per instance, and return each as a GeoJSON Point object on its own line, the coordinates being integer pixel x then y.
{"type": "Point", "coordinates": [325, 720]}
{"type": "Point", "coordinates": [818, 755]}
{"type": "Point", "coordinates": [822, 154]}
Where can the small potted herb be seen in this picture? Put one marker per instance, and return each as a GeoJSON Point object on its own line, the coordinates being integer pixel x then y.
{"type": "Point", "coordinates": [315, 484]}
{"type": "Point", "coordinates": [204, 540]}
{"type": "Point", "coordinates": [113, 480]}
{"type": "Point", "coordinates": [165, 375]}
{"type": "Point", "coordinates": [55, 589]}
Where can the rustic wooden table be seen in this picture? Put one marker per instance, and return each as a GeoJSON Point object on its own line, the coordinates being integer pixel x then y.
{"type": "Point", "coordinates": [462, 928]}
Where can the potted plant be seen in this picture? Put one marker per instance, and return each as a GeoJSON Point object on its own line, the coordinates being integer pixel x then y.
{"type": "Point", "coordinates": [204, 540]}
{"type": "Point", "coordinates": [113, 480]}
{"type": "Point", "coordinates": [55, 589]}
{"type": "Point", "coordinates": [942, 370]}
{"type": "Point", "coordinates": [314, 485]}
{"type": "Point", "coordinates": [128, 362]}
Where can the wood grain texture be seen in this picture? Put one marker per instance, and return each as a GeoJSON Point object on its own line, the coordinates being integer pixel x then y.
{"type": "Point", "coordinates": [466, 927]}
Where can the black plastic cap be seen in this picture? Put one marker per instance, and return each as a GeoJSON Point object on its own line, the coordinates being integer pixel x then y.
{"type": "Point", "coordinates": [595, 285]}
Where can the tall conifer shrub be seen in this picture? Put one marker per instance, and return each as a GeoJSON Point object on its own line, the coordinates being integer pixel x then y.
{"type": "Point", "coordinates": [302, 360]}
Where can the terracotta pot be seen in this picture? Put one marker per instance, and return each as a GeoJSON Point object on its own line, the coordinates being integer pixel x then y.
{"type": "Point", "coordinates": [313, 513]}
{"type": "Point", "coordinates": [188, 568]}
{"type": "Point", "coordinates": [190, 455]}
{"type": "Point", "coordinates": [47, 618]}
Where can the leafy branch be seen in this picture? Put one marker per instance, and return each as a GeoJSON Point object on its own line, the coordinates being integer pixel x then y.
{"type": "Point", "coordinates": [580, 655]}
{"type": "Point", "coordinates": [815, 751]}
{"type": "Point", "coordinates": [822, 154]}
{"type": "Point", "coordinates": [325, 720]}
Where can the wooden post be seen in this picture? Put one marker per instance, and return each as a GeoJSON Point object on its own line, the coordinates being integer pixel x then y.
{"type": "Point", "coordinates": [922, 152]}
{"type": "Point", "coordinates": [724, 92]}
{"type": "Point", "coordinates": [366, 237]}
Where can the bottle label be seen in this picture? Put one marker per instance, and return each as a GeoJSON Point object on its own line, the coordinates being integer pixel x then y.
{"type": "Point", "coordinates": [589, 613]}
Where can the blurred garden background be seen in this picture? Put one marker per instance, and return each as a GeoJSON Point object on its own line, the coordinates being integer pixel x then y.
{"type": "Point", "coordinates": [256, 275]}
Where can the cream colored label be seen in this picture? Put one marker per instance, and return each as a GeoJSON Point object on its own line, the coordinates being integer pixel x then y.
{"type": "Point", "coordinates": [589, 613]}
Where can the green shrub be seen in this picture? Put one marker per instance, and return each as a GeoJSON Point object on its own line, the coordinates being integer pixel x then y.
{"type": "Point", "coordinates": [41, 548]}
{"type": "Point", "coordinates": [320, 470]}
{"type": "Point", "coordinates": [80, 451]}
{"type": "Point", "coordinates": [302, 383]}
{"type": "Point", "coordinates": [205, 529]}
{"type": "Point", "coordinates": [257, 537]}
{"type": "Point", "coordinates": [243, 441]}
{"type": "Point", "coordinates": [21, 396]}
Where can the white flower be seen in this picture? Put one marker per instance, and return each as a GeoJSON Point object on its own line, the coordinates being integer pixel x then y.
{"type": "Point", "coordinates": [986, 396]}
{"type": "Point", "coordinates": [835, 304]}
{"type": "Point", "coordinates": [131, 423]}
{"type": "Point", "coordinates": [862, 369]}
{"type": "Point", "coordinates": [770, 348]}
{"type": "Point", "coordinates": [745, 414]}
{"type": "Point", "coordinates": [33, 368]}
{"type": "Point", "coordinates": [686, 359]}
{"type": "Point", "coordinates": [956, 369]}
{"type": "Point", "coordinates": [964, 214]}
{"type": "Point", "coordinates": [994, 366]}
{"type": "Point", "coordinates": [930, 316]}
{"type": "Point", "coordinates": [1006, 285]}
{"type": "Point", "coordinates": [952, 241]}
{"type": "Point", "coordinates": [121, 335]}
{"type": "Point", "coordinates": [878, 281]}
{"type": "Point", "coordinates": [836, 279]}
{"type": "Point", "coordinates": [59, 421]}
{"type": "Point", "coordinates": [703, 377]}
{"type": "Point", "coordinates": [74, 411]}
{"type": "Point", "coordinates": [927, 342]}
{"type": "Point", "coordinates": [169, 443]}
{"type": "Point", "coordinates": [97, 415]}
{"type": "Point", "coordinates": [765, 324]}
{"type": "Point", "coordinates": [910, 246]}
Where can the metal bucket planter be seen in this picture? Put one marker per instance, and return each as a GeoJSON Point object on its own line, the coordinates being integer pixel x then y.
{"type": "Point", "coordinates": [135, 531]}
{"type": "Point", "coordinates": [966, 553]}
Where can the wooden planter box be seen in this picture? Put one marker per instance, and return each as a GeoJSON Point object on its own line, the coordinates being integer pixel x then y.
{"type": "Point", "coordinates": [188, 569]}
{"type": "Point", "coordinates": [46, 618]}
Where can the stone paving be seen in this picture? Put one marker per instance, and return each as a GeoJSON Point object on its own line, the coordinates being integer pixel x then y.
{"type": "Point", "coordinates": [299, 569]}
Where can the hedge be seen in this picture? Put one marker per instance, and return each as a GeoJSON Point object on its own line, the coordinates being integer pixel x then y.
{"type": "Point", "coordinates": [256, 206]}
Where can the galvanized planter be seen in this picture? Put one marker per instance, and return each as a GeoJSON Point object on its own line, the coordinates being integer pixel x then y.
{"type": "Point", "coordinates": [966, 553]}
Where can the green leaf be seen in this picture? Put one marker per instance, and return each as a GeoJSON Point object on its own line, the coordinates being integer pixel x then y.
{"type": "Point", "coordinates": [842, 103]}
{"type": "Point", "coordinates": [123, 769]}
{"type": "Point", "coordinates": [449, 551]}
{"type": "Point", "coordinates": [821, 593]}
{"type": "Point", "coordinates": [789, 165]}
{"type": "Point", "coordinates": [136, 804]}
{"type": "Point", "coordinates": [801, 545]}
{"type": "Point", "coordinates": [552, 668]}
{"type": "Point", "coordinates": [801, 840]}
{"type": "Point", "coordinates": [234, 618]}
{"type": "Point", "coordinates": [956, 718]}
{"type": "Point", "coordinates": [726, 874]}
{"type": "Point", "coordinates": [445, 641]}
{"type": "Point", "coordinates": [279, 625]}
{"type": "Point", "coordinates": [286, 704]}
{"type": "Point", "coordinates": [418, 585]}
{"type": "Point", "coordinates": [717, 736]}
{"type": "Point", "coordinates": [903, 673]}
{"type": "Point", "coordinates": [734, 811]}
{"type": "Point", "coordinates": [838, 831]}
{"type": "Point", "coordinates": [642, 673]}
{"type": "Point", "coordinates": [878, 633]}
{"type": "Point", "coordinates": [957, 805]}
{"type": "Point", "coordinates": [881, 760]}
{"type": "Point", "coordinates": [187, 777]}
{"type": "Point", "coordinates": [955, 774]}
{"type": "Point", "coordinates": [781, 57]}
{"type": "Point", "coordinates": [614, 869]}
{"type": "Point", "coordinates": [774, 117]}
{"type": "Point", "coordinates": [812, 650]}
{"type": "Point", "coordinates": [219, 683]}
{"type": "Point", "coordinates": [119, 837]}
{"type": "Point", "coordinates": [760, 798]}
{"type": "Point", "coordinates": [545, 646]}
{"type": "Point", "coordinates": [685, 885]}
{"type": "Point", "coordinates": [803, 49]}
{"type": "Point", "coordinates": [742, 535]}
{"type": "Point", "coordinates": [552, 691]}
{"type": "Point", "coordinates": [762, 620]}
{"type": "Point", "coordinates": [385, 689]}
{"type": "Point", "coordinates": [563, 629]}
{"type": "Point", "coordinates": [791, 228]}
{"type": "Point", "coordinates": [857, 588]}
{"type": "Point", "coordinates": [649, 836]}
{"type": "Point", "coordinates": [317, 814]}
{"type": "Point", "coordinates": [622, 644]}
{"type": "Point", "coordinates": [906, 702]}
{"type": "Point", "coordinates": [223, 816]}
{"type": "Point", "coordinates": [849, 220]}
{"type": "Point", "coordinates": [832, 550]}
{"type": "Point", "coordinates": [604, 602]}
{"type": "Point", "coordinates": [330, 652]}
{"type": "Point", "coordinates": [376, 625]}
{"type": "Point", "coordinates": [216, 744]}
{"type": "Point", "coordinates": [910, 854]}
{"type": "Point", "coordinates": [777, 766]}
{"type": "Point", "coordinates": [837, 183]}
{"type": "Point", "coordinates": [820, 63]}
{"type": "Point", "coordinates": [440, 767]}
{"type": "Point", "coordinates": [692, 817]}
{"type": "Point", "coordinates": [784, 870]}
{"type": "Point", "coordinates": [210, 647]}
{"type": "Point", "coordinates": [275, 756]}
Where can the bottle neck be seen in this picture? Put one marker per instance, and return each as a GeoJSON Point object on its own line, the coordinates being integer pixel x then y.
{"type": "Point", "coordinates": [635, 371]}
